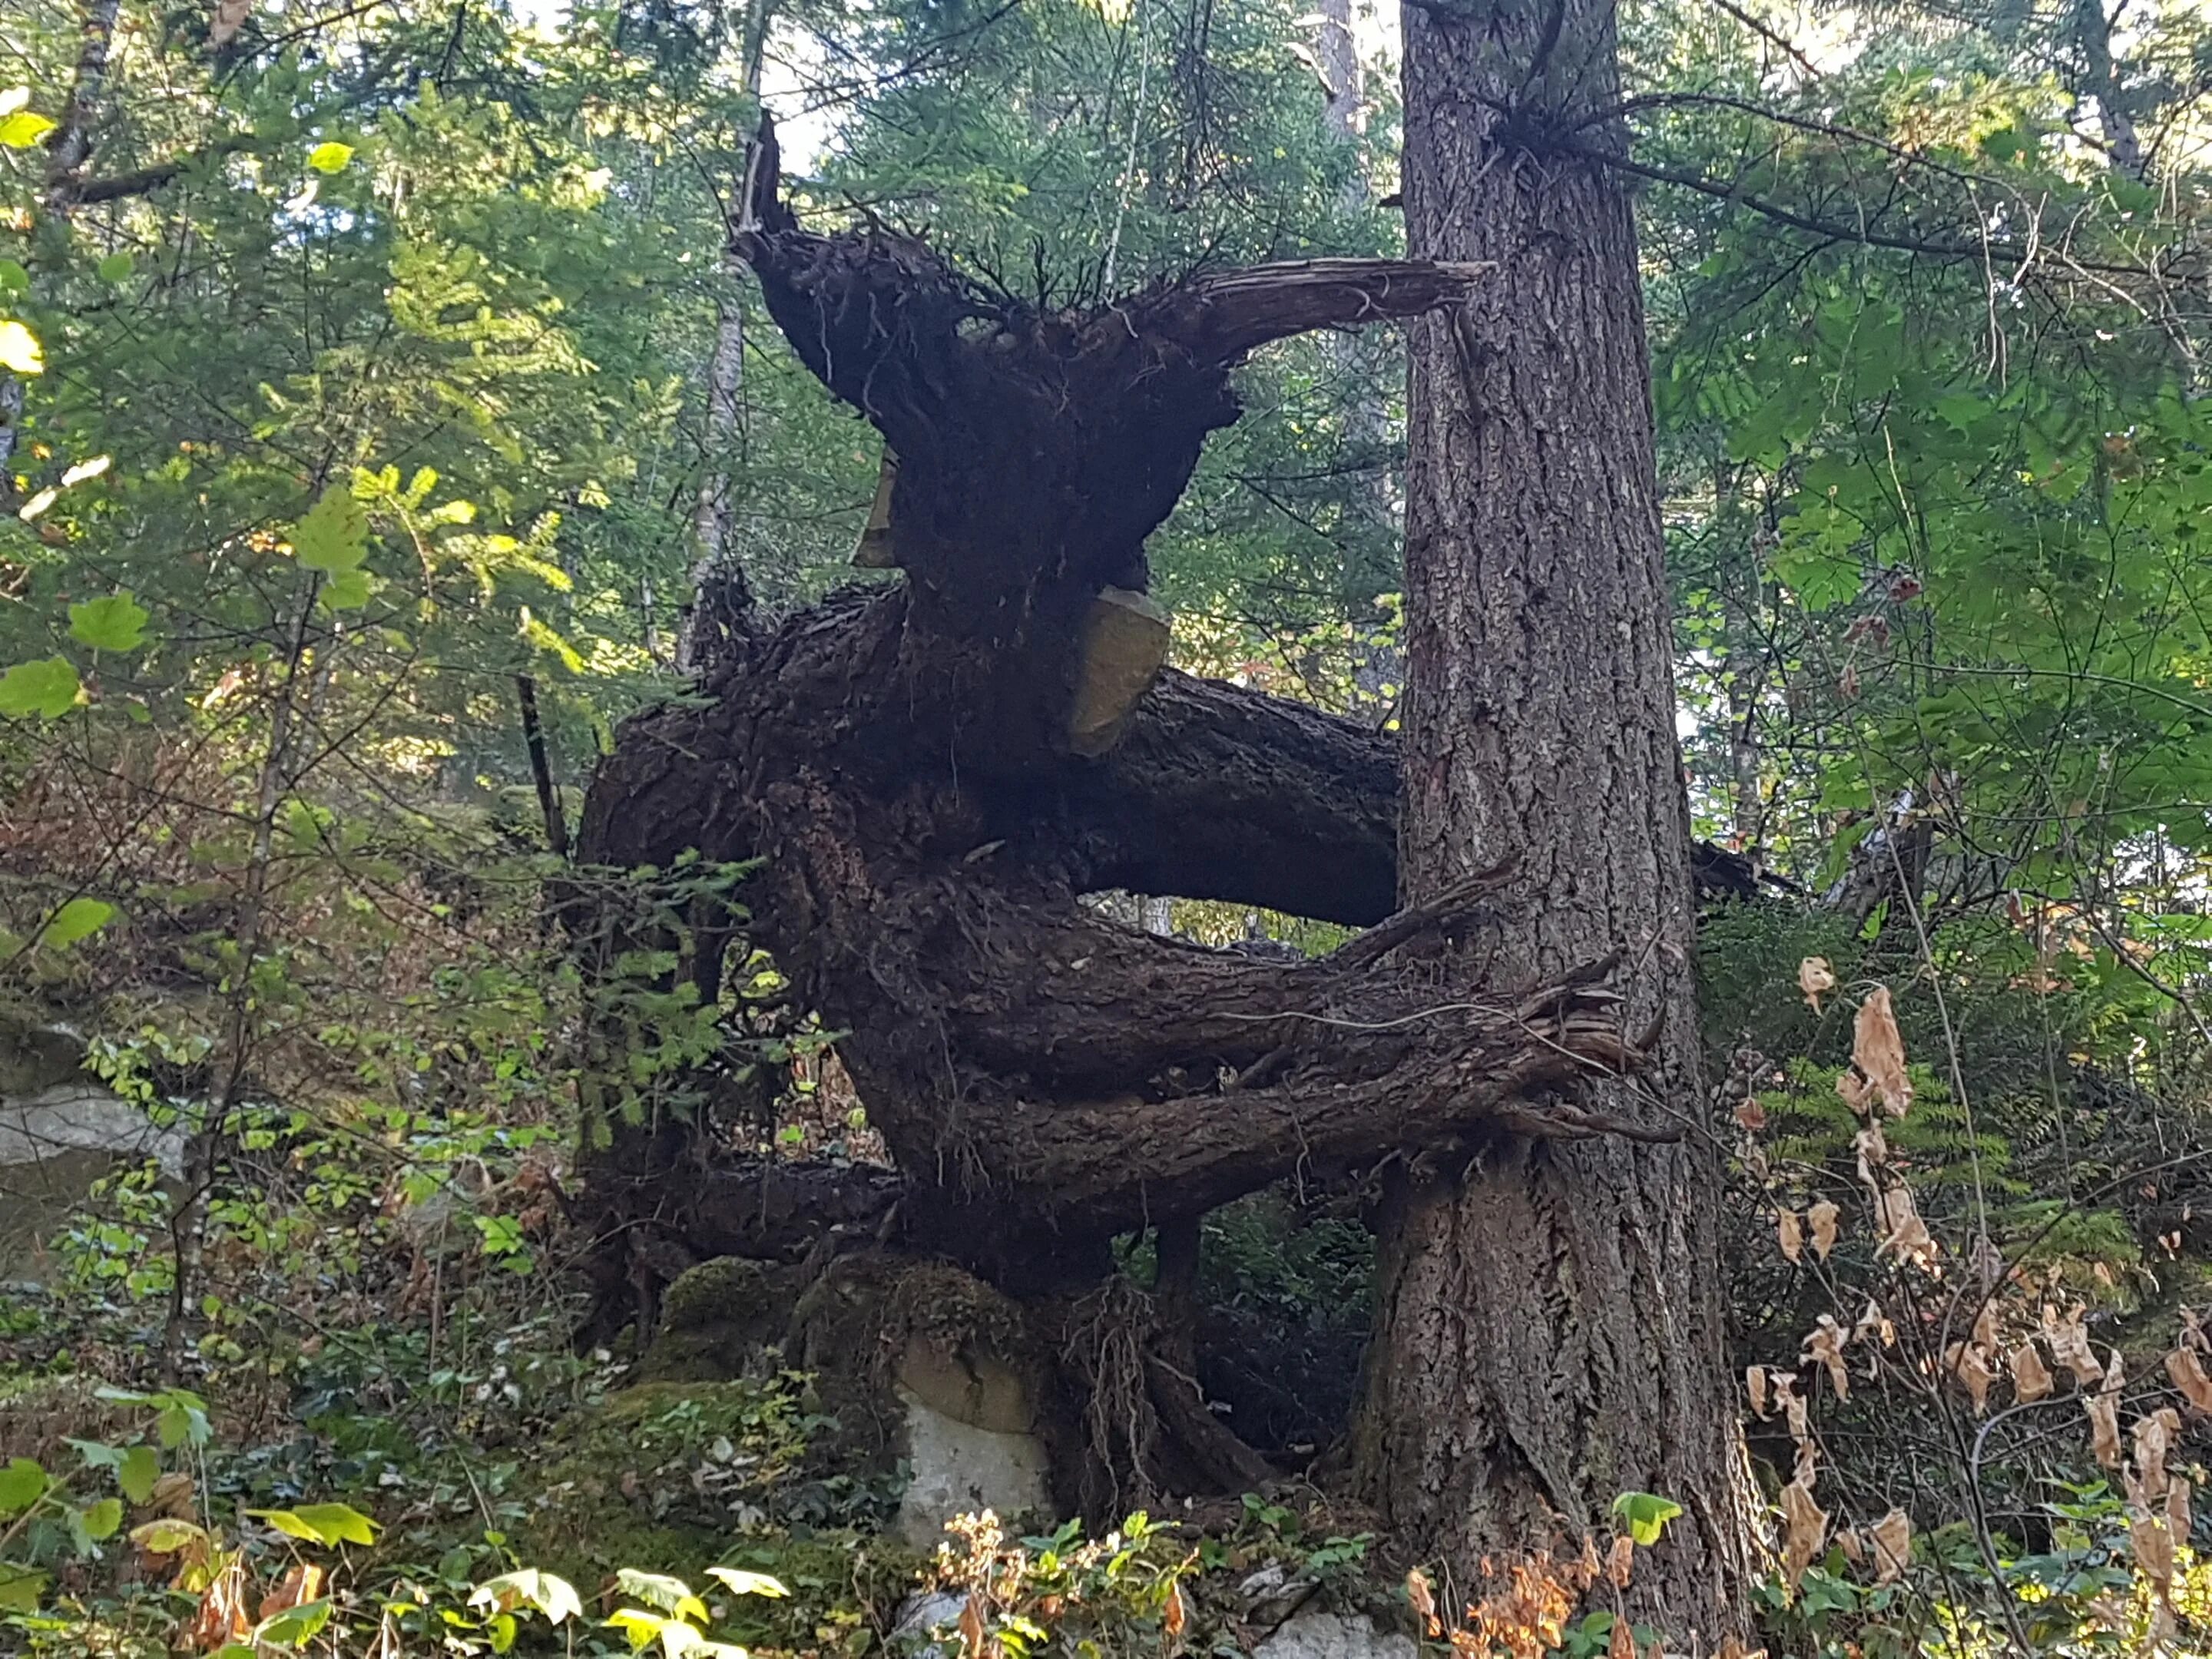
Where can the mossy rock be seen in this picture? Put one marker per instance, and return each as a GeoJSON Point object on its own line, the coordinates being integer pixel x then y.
{"type": "Point", "coordinates": [717, 1320]}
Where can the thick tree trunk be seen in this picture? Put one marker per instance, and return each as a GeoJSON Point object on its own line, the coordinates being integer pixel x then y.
{"type": "Point", "coordinates": [1548, 1331]}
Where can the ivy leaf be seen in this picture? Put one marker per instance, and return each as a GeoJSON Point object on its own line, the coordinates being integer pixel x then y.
{"type": "Point", "coordinates": [329, 156]}
{"type": "Point", "coordinates": [48, 687]}
{"type": "Point", "coordinates": [79, 918]}
{"type": "Point", "coordinates": [23, 129]}
{"type": "Point", "coordinates": [117, 622]}
{"type": "Point", "coordinates": [333, 537]}
{"type": "Point", "coordinates": [20, 349]}
{"type": "Point", "coordinates": [1647, 1515]}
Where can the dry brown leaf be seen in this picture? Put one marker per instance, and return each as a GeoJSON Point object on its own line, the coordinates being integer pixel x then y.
{"type": "Point", "coordinates": [1750, 1114]}
{"type": "Point", "coordinates": [1971, 1366]}
{"type": "Point", "coordinates": [1904, 1234]}
{"type": "Point", "coordinates": [2153, 1435]}
{"type": "Point", "coordinates": [1754, 1383]}
{"type": "Point", "coordinates": [1823, 1217]}
{"type": "Point", "coordinates": [1790, 1229]}
{"type": "Point", "coordinates": [1815, 978]}
{"type": "Point", "coordinates": [225, 21]}
{"type": "Point", "coordinates": [2154, 1548]}
{"type": "Point", "coordinates": [2188, 1374]}
{"type": "Point", "coordinates": [972, 1627]}
{"type": "Point", "coordinates": [1826, 1345]}
{"type": "Point", "coordinates": [220, 1618]}
{"type": "Point", "coordinates": [1985, 1328]}
{"type": "Point", "coordinates": [1805, 1527]}
{"type": "Point", "coordinates": [1891, 1537]}
{"type": "Point", "coordinates": [2103, 1407]}
{"type": "Point", "coordinates": [2192, 1332]}
{"type": "Point", "coordinates": [1174, 1616]}
{"type": "Point", "coordinates": [2178, 1515]}
{"type": "Point", "coordinates": [1793, 1406]}
{"type": "Point", "coordinates": [1424, 1600]}
{"type": "Point", "coordinates": [1874, 1323]}
{"type": "Point", "coordinates": [1620, 1561]}
{"type": "Point", "coordinates": [1878, 1052]}
{"type": "Point", "coordinates": [1852, 1546]}
{"type": "Point", "coordinates": [2070, 1347]}
{"type": "Point", "coordinates": [1623, 1642]}
{"type": "Point", "coordinates": [2031, 1382]}
{"type": "Point", "coordinates": [303, 1584]}
{"type": "Point", "coordinates": [1873, 1148]}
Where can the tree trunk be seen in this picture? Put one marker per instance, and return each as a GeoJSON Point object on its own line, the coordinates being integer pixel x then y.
{"type": "Point", "coordinates": [1549, 1320]}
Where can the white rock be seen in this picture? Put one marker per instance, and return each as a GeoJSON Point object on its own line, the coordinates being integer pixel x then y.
{"type": "Point", "coordinates": [1321, 1635]}
{"type": "Point", "coordinates": [958, 1468]}
{"type": "Point", "coordinates": [84, 1117]}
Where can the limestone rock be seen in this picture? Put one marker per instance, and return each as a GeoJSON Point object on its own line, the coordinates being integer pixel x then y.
{"type": "Point", "coordinates": [1318, 1634]}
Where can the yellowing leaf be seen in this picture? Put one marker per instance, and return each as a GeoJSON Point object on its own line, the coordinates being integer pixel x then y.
{"type": "Point", "coordinates": [38, 503]}
{"type": "Point", "coordinates": [20, 350]}
{"type": "Point", "coordinates": [23, 129]}
{"type": "Point", "coordinates": [84, 470]}
{"type": "Point", "coordinates": [329, 156]}
{"type": "Point", "coordinates": [747, 1584]}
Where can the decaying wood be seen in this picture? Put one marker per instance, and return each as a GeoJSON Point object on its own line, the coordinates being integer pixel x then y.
{"type": "Point", "coordinates": [901, 761]}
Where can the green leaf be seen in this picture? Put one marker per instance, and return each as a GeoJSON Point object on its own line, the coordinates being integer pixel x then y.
{"type": "Point", "coordinates": [22, 1483]}
{"type": "Point", "coordinates": [20, 349]}
{"type": "Point", "coordinates": [294, 1626]}
{"type": "Point", "coordinates": [347, 590]}
{"type": "Point", "coordinates": [139, 1470]}
{"type": "Point", "coordinates": [79, 918]}
{"type": "Point", "coordinates": [102, 1519]}
{"type": "Point", "coordinates": [329, 156]}
{"type": "Point", "coordinates": [23, 129]}
{"type": "Point", "coordinates": [47, 687]}
{"type": "Point", "coordinates": [334, 535]}
{"type": "Point", "coordinates": [328, 1524]}
{"type": "Point", "coordinates": [747, 1584]}
{"type": "Point", "coordinates": [1647, 1515]}
{"type": "Point", "coordinates": [116, 268]}
{"type": "Point", "coordinates": [20, 1588]}
{"type": "Point", "coordinates": [117, 622]}
{"type": "Point", "coordinates": [13, 279]}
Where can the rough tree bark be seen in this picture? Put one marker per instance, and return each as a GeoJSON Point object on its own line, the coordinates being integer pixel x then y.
{"type": "Point", "coordinates": [901, 760]}
{"type": "Point", "coordinates": [1548, 1329]}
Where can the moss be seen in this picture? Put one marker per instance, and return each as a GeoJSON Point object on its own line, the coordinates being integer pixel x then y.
{"type": "Point", "coordinates": [718, 1320]}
